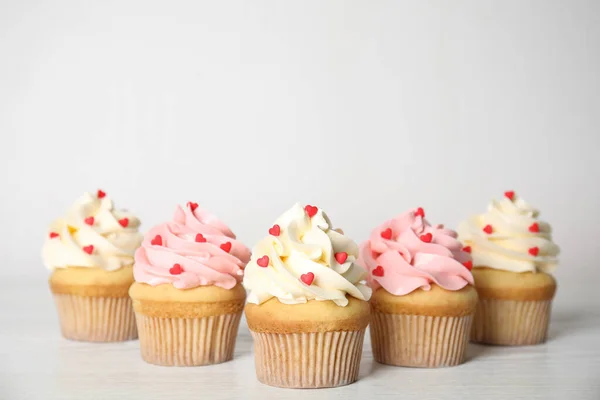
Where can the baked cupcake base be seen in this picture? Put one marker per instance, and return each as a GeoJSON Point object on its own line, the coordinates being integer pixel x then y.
{"type": "Point", "coordinates": [313, 345]}
{"type": "Point", "coordinates": [514, 308]}
{"type": "Point", "coordinates": [190, 327]}
{"type": "Point", "coordinates": [93, 305]}
{"type": "Point", "coordinates": [426, 329]}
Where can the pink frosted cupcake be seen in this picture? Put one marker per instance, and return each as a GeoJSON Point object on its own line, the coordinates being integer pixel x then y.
{"type": "Point", "coordinates": [423, 299]}
{"type": "Point", "coordinates": [188, 297]}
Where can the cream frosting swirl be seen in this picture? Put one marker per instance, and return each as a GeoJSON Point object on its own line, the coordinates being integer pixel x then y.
{"type": "Point", "coordinates": [510, 237]}
{"type": "Point", "coordinates": [407, 253]}
{"type": "Point", "coordinates": [93, 233]}
{"type": "Point", "coordinates": [303, 258]}
{"type": "Point", "coordinates": [194, 249]}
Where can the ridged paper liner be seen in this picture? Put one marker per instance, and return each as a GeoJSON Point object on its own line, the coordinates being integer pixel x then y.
{"type": "Point", "coordinates": [188, 341]}
{"type": "Point", "coordinates": [96, 319]}
{"type": "Point", "coordinates": [511, 322]}
{"type": "Point", "coordinates": [308, 360]}
{"type": "Point", "coordinates": [419, 340]}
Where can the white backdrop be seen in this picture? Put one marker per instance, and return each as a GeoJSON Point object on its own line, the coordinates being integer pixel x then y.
{"type": "Point", "coordinates": [364, 108]}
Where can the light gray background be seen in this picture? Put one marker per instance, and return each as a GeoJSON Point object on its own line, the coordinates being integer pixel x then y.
{"type": "Point", "coordinates": [364, 108]}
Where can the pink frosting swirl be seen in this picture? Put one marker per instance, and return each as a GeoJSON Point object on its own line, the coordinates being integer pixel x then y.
{"type": "Point", "coordinates": [195, 249]}
{"type": "Point", "coordinates": [407, 253]}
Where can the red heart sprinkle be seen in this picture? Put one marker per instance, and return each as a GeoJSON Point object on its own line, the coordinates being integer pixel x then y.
{"type": "Point", "coordinates": [89, 249]}
{"type": "Point", "coordinates": [53, 235]}
{"type": "Point", "coordinates": [534, 227]}
{"type": "Point", "coordinates": [176, 269]}
{"type": "Point", "coordinates": [307, 278]}
{"type": "Point", "coordinates": [100, 194]}
{"type": "Point", "coordinates": [420, 212]}
{"type": "Point", "coordinates": [192, 206]}
{"type": "Point", "coordinates": [157, 241]}
{"type": "Point", "coordinates": [488, 229]}
{"type": "Point", "coordinates": [468, 264]}
{"type": "Point", "coordinates": [311, 211]}
{"type": "Point", "coordinates": [510, 194]}
{"type": "Point", "coordinates": [387, 234]}
{"type": "Point", "coordinates": [467, 249]}
{"type": "Point", "coordinates": [275, 230]}
{"type": "Point", "coordinates": [200, 238]}
{"type": "Point", "coordinates": [263, 261]}
{"type": "Point", "coordinates": [226, 247]}
{"type": "Point", "coordinates": [534, 251]}
{"type": "Point", "coordinates": [426, 237]}
{"type": "Point", "coordinates": [124, 222]}
{"type": "Point", "coordinates": [341, 257]}
{"type": "Point", "coordinates": [89, 221]}
{"type": "Point", "coordinates": [378, 271]}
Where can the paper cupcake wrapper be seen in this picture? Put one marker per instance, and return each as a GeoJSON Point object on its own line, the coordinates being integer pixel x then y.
{"type": "Point", "coordinates": [188, 342]}
{"type": "Point", "coordinates": [511, 322]}
{"type": "Point", "coordinates": [419, 340]}
{"type": "Point", "coordinates": [308, 360]}
{"type": "Point", "coordinates": [96, 319]}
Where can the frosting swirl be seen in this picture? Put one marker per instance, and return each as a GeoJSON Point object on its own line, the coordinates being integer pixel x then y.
{"type": "Point", "coordinates": [510, 237]}
{"type": "Point", "coordinates": [407, 253]}
{"type": "Point", "coordinates": [92, 234]}
{"type": "Point", "coordinates": [194, 249]}
{"type": "Point", "coordinates": [304, 259]}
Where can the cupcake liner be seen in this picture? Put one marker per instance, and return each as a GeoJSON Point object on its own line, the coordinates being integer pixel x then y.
{"type": "Point", "coordinates": [419, 340]}
{"type": "Point", "coordinates": [308, 360]}
{"type": "Point", "coordinates": [188, 341]}
{"type": "Point", "coordinates": [96, 319]}
{"type": "Point", "coordinates": [511, 322]}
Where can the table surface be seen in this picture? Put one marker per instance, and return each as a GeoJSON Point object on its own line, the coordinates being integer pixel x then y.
{"type": "Point", "coordinates": [37, 363]}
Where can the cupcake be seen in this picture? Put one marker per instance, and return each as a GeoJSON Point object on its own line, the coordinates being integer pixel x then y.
{"type": "Point", "coordinates": [513, 255]}
{"type": "Point", "coordinates": [187, 295]}
{"type": "Point", "coordinates": [90, 253]}
{"type": "Point", "coordinates": [307, 303]}
{"type": "Point", "coordinates": [423, 301]}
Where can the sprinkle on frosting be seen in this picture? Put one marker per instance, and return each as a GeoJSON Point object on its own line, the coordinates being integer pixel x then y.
{"type": "Point", "coordinates": [195, 249]}
{"type": "Point", "coordinates": [308, 260]}
{"type": "Point", "coordinates": [91, 235]}
{"type": "Point", "coordinates": [519, 242]}
{"type": "Point", "coordinates": [419, 256]}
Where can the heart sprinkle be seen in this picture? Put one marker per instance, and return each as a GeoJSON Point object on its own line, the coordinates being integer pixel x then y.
{"type": "Point", "coordinates": [510, 194]}
{"type": "Point", "coordinates": [378, 271]}
{"type": "Point", "coordinates": [307, 278]}
{"type": "Point", "coordinates": [226, 247]}
{"type": "Point", "coordinates": [467, 249]}
{"type": "Point", "coordinates": [157, 241]}
{"type": "Point", "coordinates": [176, 269]}
{"type": "Point", "coordinates": [200, 238]}
{"type": "Point", "coordinates": [192, 206]}
{"type": "Point", "coordinates": [534, 251]}
{"type": "Point", "coordinates": [124, 222]}
{"type": "Point", "coordinates": [387, 234]}
{"type": "Point", "coordinates": [263, 261]}
{"type": "Point", "coordinates": [426, 237]}
{"type": "Point", "coordinates": [468, 265]}
{"type": "Point", "coordinates": [420, 212]}
{"type": "Point", "coordinates": [54, 235]}
{"type": "Point", "coordinates": [341, 257]}
{"type": "Point", "coordinates": [488, 229]}
{"type": "Point", "coordinates": [535, 228]}
{"type": "Point", "coordinates": [89, 221]}
{"type": "Point", "coordinates": [311, 211]}
{"type": "Point", "coordinates": [89, 249]}
{"type": "Point", "coordinates": [100, 194]}
{"type": "Point", "coordinates": [275, 230]}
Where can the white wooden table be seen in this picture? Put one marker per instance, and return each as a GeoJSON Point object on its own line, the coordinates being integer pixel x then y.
{"type": "Point", "coordinates": [37, 363]}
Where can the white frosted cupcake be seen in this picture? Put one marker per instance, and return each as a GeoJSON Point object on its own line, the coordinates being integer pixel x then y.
{"type": "Point", "coordinates": [307, 304]}
{"type": "Point", "coordinates": [90, 253]}
{"type": "Point", "coordinates": [513, 255]}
